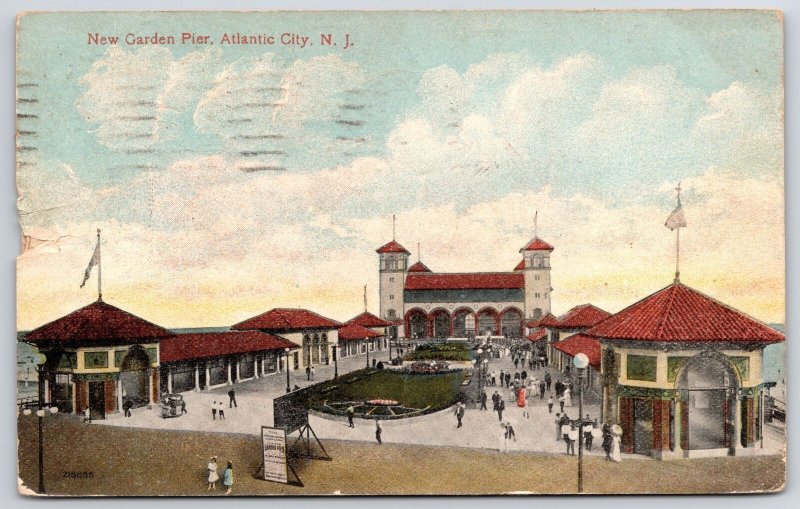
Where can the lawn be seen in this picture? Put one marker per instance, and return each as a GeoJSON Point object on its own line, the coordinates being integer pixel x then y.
{"type": "Point", "coordinates": [419, 391]}
{"type": "Point", "coordinates": [457, 352]}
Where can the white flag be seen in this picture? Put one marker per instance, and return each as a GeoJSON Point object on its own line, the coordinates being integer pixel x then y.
{"type": "Point", "coordinates": [677, 219]}
{"type": "Point", "coordinates": [94, 261]}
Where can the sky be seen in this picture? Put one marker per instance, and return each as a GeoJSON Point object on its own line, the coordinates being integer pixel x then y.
{"type": "Point", "coordinates": [230, 179]}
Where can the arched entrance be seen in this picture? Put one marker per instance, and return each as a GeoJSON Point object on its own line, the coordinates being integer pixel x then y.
{"type": "Point", "coordinates": [511, 323]}
{"type": "Point", "coordinates": [133, 375]}
{"type": "Point", "coordinates": [417, 324]}
{"type": "Point", "coordinates": [463, 323]}
{"type": "Point", "coordinates": [708, 385]}
{"type": "Point", "coordinates": [441, 324]}
{"type": "Point", "coordinates": [487, 322]}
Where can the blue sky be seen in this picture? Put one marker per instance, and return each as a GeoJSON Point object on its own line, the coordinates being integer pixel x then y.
{"type": "Point", "coordinates": [248, 160]}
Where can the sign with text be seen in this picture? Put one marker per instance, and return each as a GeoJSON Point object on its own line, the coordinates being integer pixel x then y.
{"type": "Point", "coordinates": [273, 447]}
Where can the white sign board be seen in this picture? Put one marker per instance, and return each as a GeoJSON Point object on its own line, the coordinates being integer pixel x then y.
{"type": "Point", "coordinates": [273, 446]}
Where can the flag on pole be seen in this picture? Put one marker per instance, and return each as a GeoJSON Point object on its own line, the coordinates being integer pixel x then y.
{"type": "Point", "coordinates": [677, 219]}
{"type": "Point", "coordinates": [94, 261]}
{"type": "Point", "coordinates": [365, 298]}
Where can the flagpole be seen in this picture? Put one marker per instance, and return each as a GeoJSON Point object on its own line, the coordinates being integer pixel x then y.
{"type": "Point", "coordinates": [99, 269]}
{"type": "Point", "coordinates": [677, 255]}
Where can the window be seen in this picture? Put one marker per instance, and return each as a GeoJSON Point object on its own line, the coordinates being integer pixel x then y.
{"type": "Point", "coordinates": [641, 367]}
{"type": "Point", "coordinates": [391, 297]}
{"type": "Point", "coordinates": [536, 277]}
{"type": "Point", "coordinates": [537, 295]}
{"type": "Point", "coordinates": [391, 314]}
{"type": "Point", "coordinates": [391, 280]}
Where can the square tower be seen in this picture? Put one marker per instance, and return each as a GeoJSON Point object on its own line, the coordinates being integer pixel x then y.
{"type": "Point", "coordinates": [536, 259]}
{"type": "Point", "coordinates": [392, 269]}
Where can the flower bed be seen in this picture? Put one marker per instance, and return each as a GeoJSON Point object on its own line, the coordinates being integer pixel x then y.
{"type": "Point", "coordinates": [440, 352]}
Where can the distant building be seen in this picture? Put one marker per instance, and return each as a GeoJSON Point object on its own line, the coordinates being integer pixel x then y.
{"type": "Point", "coordinates": [423, 303]}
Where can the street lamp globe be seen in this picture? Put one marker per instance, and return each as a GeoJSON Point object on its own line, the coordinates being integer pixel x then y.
{"type": "Point", "coordinates": [581, 361]}
{"type": "Point", "coordinates": [486, 361]}
{"type": "Point", "coordinates": [480, 351]}
{"type": "Point", "coordinates": [40, 412]}
{"type": "Point", "coordinates": [286, 350]}
{"type": "Point", "coordinates": [53, 410]}
{"type": "Point", "coordinates": [27, 411]}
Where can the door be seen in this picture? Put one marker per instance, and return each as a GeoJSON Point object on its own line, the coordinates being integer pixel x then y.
{"type": "Point", "coordinates": [708, 419]}
{"type": "Point", "coordinates": [97, 400]}
{"type": "Point", "coordinates": [642, 426]}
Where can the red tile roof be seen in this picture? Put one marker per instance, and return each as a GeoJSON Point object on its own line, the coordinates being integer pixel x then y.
{"type": "Point", "coordinates": [98, 322]}
{"type": "Point", "coordinates": [547, 320]}
{"type": "Point", "coordinates": [583, 316]}
{"type": "Point", "coordinates": [286, 319]}
{"type": "Point", "coordinates": [480, 280]}
{"type": "Point", "coordinates": [680, 313]}
{"type": "Point", "coordinates": [353, 331]}
{"type": "Point", "coordinates": [392, 247]}
{"type": "Point", "coordinates": [367, 319]}
{"type": "Point", "coordinates": [581, 343]}
{"type": "Point", "coordinates": [537, 244]}
{"type": "Point", "coordinates": [419, 267]}
{"type": "Point", "coordinates": [216, 344]}
{"type": "Point", "coordinates": [537, 335]}
{"type": "Point", "coordinates": [520, 265]}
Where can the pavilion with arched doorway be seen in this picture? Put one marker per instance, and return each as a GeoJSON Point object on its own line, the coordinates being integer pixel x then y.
{"type": "Point", "coordinates": [96, 357]}
{"type": "Point", "coordinates": [681, 374]}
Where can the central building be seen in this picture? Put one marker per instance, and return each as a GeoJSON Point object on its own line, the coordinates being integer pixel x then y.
{"type": "Point", "coordinates": [426, 304]}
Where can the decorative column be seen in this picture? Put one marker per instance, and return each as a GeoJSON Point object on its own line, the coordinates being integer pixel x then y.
{"type": "Point", "coordinates": [228, 363]}
{"type": "Point", "coordinates": [169, 379]}
{"type": "Point", "coordinates": [119, 394]}
{"type": "Point", "coordinates": [208, 377]}
{"type": "Point", "coordinates": [238, 378]}
{"type": "Point", "coordinates": [150, 384]}
{"type": "Point", "coordinates": [196, 377]}
{"type": "Point", "coordinates": [256, 368]}
{"type": "Point", "coordinates": [75, 395]}
{"type": "Point", "coordinates": [46, 394]}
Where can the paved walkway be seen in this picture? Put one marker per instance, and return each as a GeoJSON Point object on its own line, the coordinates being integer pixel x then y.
{"type": "Point", "coordinates": [481, 428]}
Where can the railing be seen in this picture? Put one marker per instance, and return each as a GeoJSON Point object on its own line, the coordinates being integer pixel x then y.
{"type": "Point", "coordinates": [774, 409]}
{"type": "Point", "coordinates": [29, 402]}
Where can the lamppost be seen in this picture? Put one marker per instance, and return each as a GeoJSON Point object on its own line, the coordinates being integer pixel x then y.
{"type": "Point", "coordinates": [335, 363]}
{"type": "Point", "coordinates": [366, 346]}
{"type": "Point", "coordinates": [480, 364]}
{"type": "Point", "coordinates": [40, 413]}
{"type": "Point", "coordinates": [581, 361]}
{"type": "Point", "coordinates": [288, 389]}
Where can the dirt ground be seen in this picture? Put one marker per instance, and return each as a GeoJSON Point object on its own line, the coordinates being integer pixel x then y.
{"type": "Point", "coordinates": [104, 460]}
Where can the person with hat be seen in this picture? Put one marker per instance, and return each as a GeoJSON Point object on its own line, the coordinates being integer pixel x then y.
{"type": "Point", "coordinates": [213, 477]}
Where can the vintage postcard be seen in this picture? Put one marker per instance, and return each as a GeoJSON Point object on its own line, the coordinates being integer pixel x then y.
{"type": "Point", "coordinates": [370, 253]}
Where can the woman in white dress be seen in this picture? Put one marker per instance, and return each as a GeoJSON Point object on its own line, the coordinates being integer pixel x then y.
{"type": "Point", "coordinates": [568, 397]}
{"type": "Point", "coordinates": [213, 476]}
{"type": "Point", "coordinates": [616, 434]}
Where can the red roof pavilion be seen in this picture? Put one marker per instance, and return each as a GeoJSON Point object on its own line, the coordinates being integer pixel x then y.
{"type": "Point", "coordinates": [367, 319]}
{"type": "Point", "coordinates": [680, 313]}
{"type": "Point", "coordinates": [537, 335]}
{"type": "Point", "coordinates": [98, 322]}
{"type": "Point", "coordinates": [581, 343]}
{"type": "Point", "coordinates": [216, 344]}
{"type": "Point", "coordinates": [287, 319]}
{"type": "Point", "coordinates": [353, 331]}
{"type": "Point", "coordinates": [547, 320]}
{"type": "Point", "coordinates": [583, 316]}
